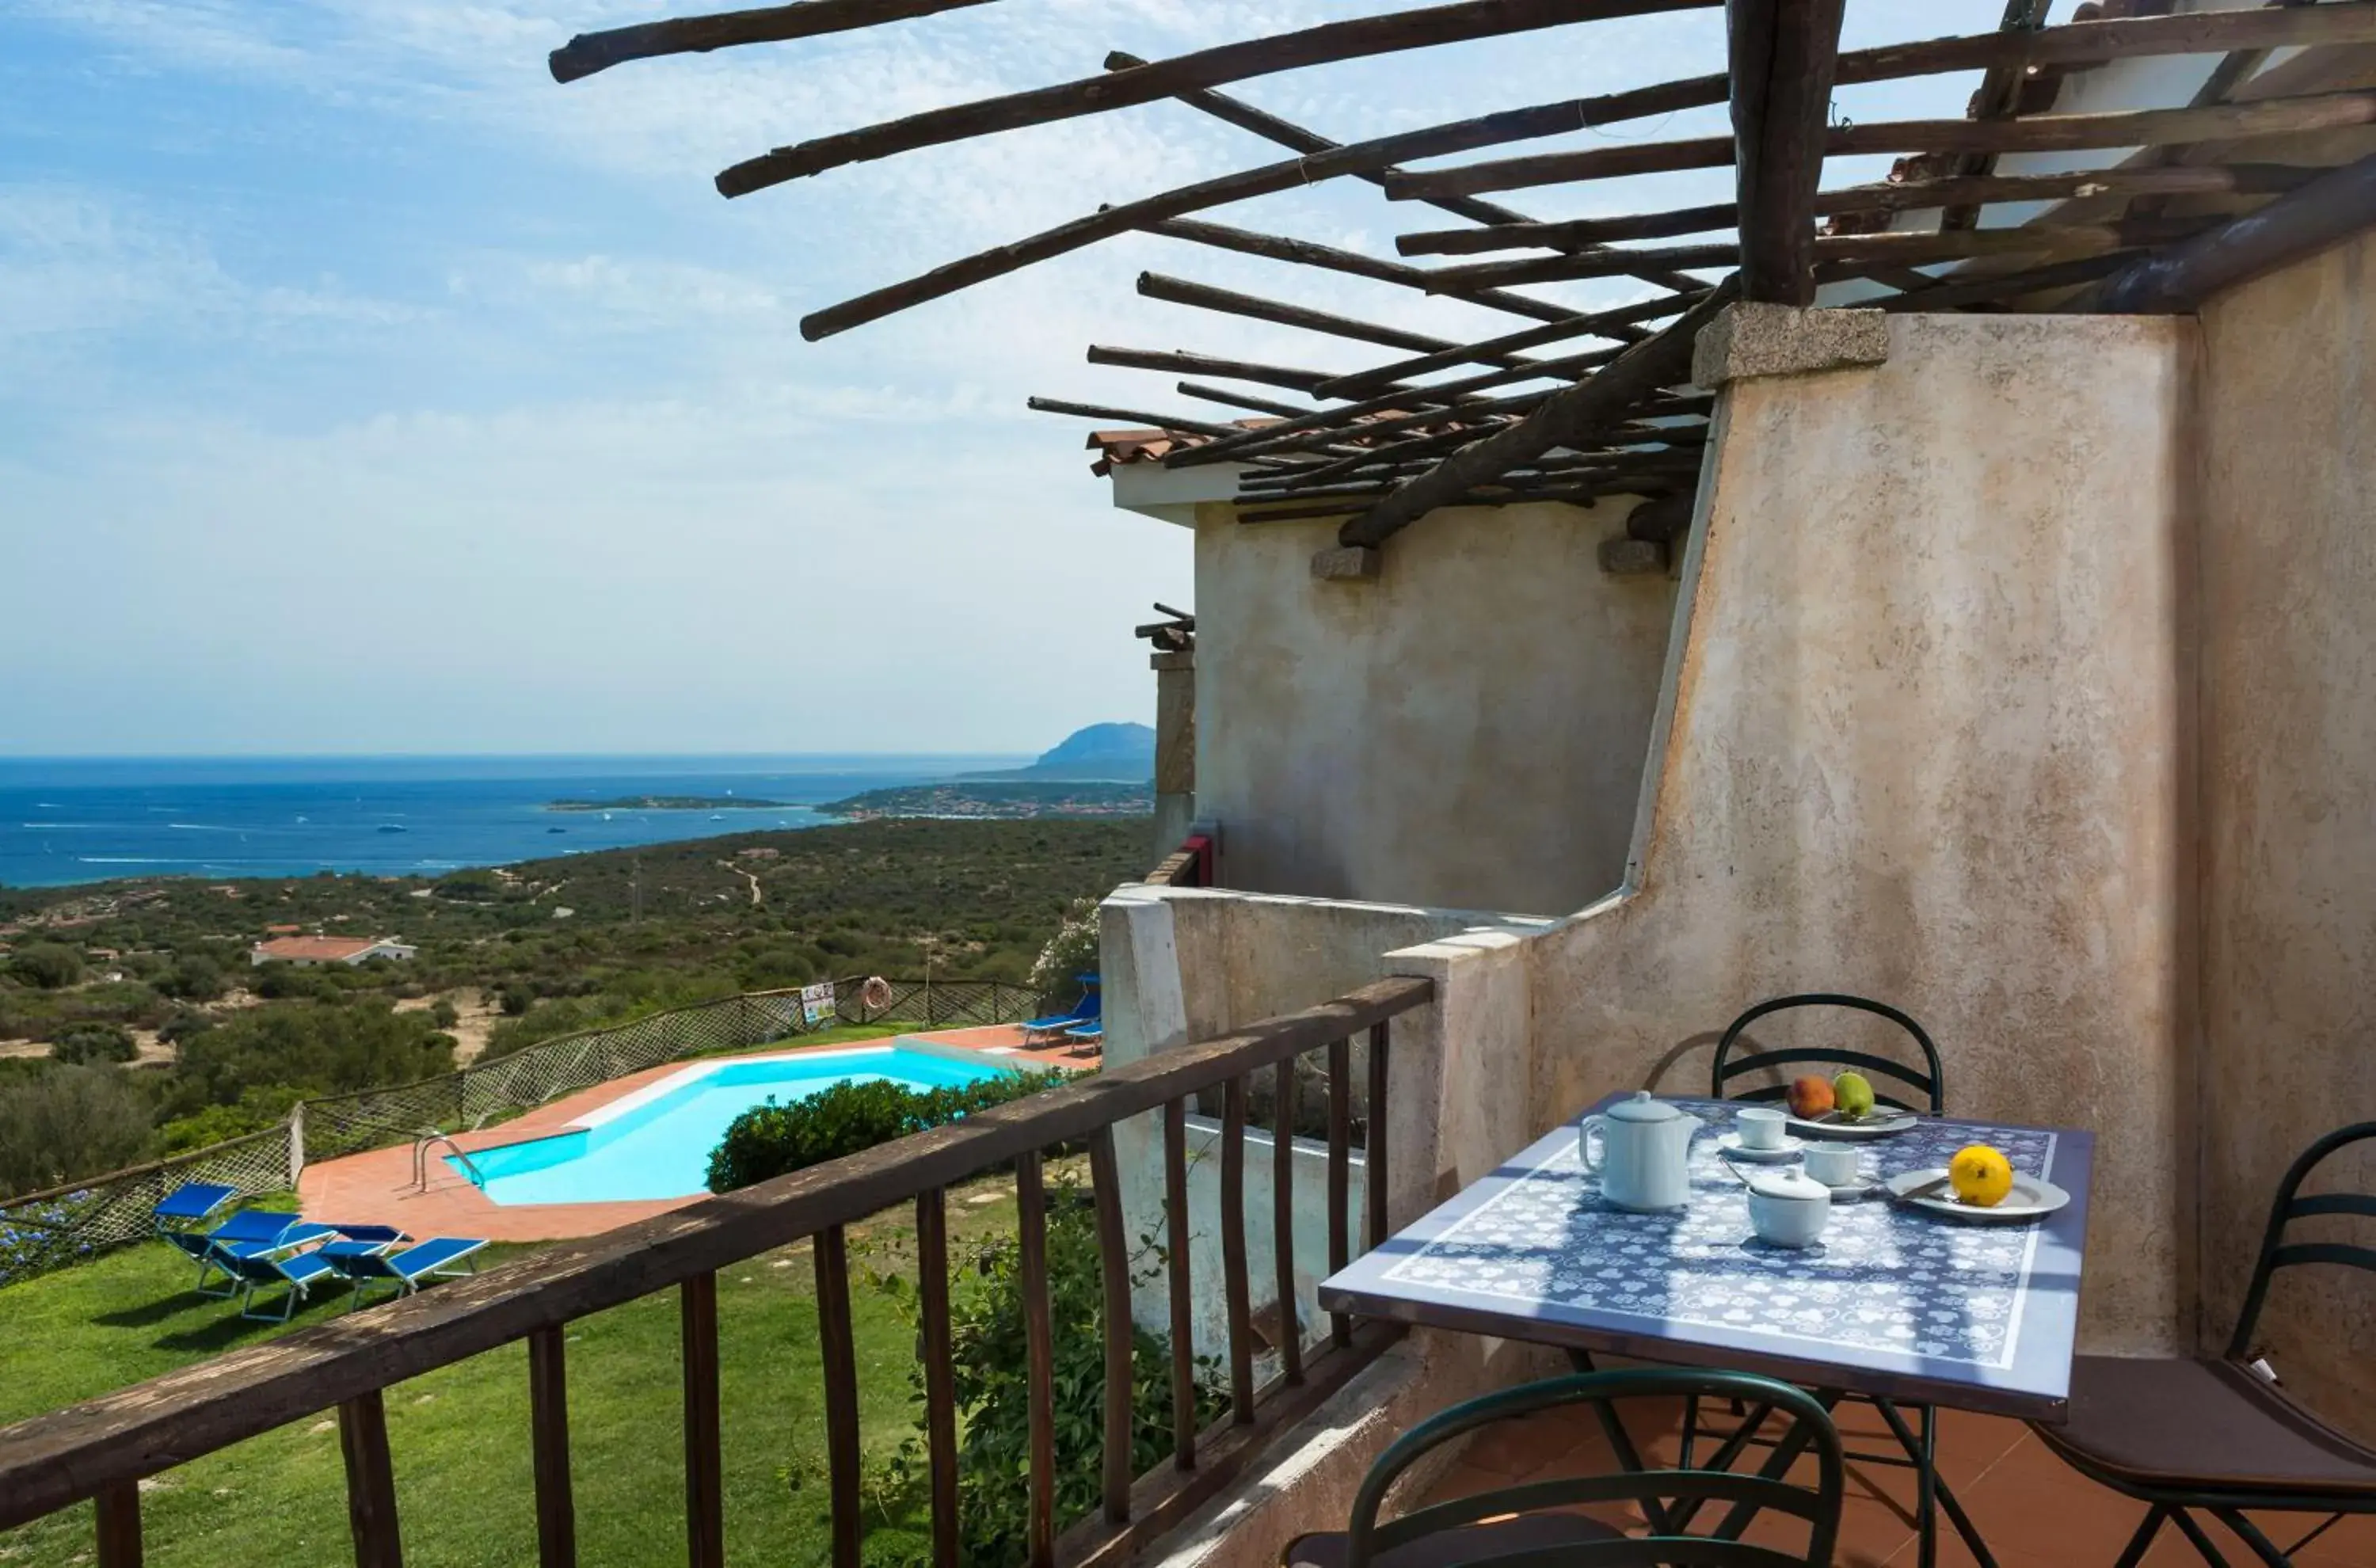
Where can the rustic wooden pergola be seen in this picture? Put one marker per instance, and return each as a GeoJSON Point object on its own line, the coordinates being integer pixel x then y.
{"type": "Point", "coordinates": [2198, 201]}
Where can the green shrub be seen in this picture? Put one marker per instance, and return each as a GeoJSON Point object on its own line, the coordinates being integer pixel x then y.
{"type": "Point", "coordinates": [257, 1109]}
{"type": "Point", "coordinates": [65, 1123]}
{"type": "Point", "coordinates": [195, 978]}
{"type": "Point", "coordinates": [47, 966]}
{"type": "Point", "coordinates": [990, 1357]}
{"type": "Point", "coordinates": [443, 1014]}
{"type": "Point", "coordinates": [93, 1044]}
{"type": "Point", "coordinates": [772, 1140]}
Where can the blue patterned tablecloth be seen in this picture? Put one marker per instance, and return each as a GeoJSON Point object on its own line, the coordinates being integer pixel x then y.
{"type": "Point", "coordinates": [1888, 1287]}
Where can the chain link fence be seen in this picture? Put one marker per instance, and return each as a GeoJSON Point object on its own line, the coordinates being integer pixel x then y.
{"type": "Point", "coordinates": [43, 1231]}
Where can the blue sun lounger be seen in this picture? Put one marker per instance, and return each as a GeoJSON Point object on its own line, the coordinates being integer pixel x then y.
{"type": "Point", "coordinates": [1085, 1013]}
{"type": "Point", "coordinates": [192, 1205]}
{"type": "Point", "coordinates": [252, 1233]}
{"type": "Point", "coordinates": [297, 1273]}
{"type": "Point", "coordinates": [407, 1270]}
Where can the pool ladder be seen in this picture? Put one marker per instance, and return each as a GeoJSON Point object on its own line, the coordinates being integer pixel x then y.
{"type": "Point", "coordinates": [420, 1148]}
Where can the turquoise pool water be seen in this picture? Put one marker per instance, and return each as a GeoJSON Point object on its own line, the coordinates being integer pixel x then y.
{"type": "Point", "coordinates": [656, 1141]}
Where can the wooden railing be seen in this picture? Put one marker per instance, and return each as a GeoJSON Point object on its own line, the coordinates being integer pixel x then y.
{"type": "Point", "coordinates": [102, 1450]}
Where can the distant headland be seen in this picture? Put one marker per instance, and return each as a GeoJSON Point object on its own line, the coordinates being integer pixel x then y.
{"type": "Point", "coordinates": [669, 803]}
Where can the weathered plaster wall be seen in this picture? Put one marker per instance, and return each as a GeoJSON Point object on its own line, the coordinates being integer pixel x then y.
{"type": "Point", "coordinates": [2288, 791]}
{"type": "Point", "coordinates": [1925, 743]}
{"type": "Point", "coordinates": [1468, 731]}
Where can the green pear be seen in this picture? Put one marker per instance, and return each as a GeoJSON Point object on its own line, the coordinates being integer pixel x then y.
{"type": "Point", "coordinates": [1852, 1095]}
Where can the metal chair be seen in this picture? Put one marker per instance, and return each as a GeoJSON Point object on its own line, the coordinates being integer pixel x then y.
{"type": "Point", "coordinates": [1930, 1084]}
{"type": "Point", "coordinates": [1528, 1528]}
{"type": "Point", "coordinates": [2198, 1434]}
{"type": "Point", "coordinates": [1927, 1088]}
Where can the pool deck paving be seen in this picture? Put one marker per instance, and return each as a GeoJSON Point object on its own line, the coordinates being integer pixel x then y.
{"type": "Point", "coordinates": [376, 1187]}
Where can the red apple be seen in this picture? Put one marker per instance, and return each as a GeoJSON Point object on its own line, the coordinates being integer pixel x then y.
{"type": "Point", "coordinates": [1809, 1098]}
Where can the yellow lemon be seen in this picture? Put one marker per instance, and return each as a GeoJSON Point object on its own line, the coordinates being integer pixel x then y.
{"type": "Point", "coordinates": [1980, 1176]}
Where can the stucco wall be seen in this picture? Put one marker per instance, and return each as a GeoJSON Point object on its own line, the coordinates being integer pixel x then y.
{"type": "Point", "coordinates": [2288, 788]}
{"type": "Point", "coordinates": [1925, 743]}
{"type": "Point", "coordinates": [1467, 731]}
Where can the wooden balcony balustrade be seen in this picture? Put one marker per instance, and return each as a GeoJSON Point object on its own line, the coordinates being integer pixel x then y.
{"type": "Point", "coordinates": [103, 1449]}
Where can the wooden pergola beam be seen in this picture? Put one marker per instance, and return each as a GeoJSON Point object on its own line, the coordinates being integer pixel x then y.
{"type": "Point", "coordinates": [1900, 195]}
{"type": "Point", "coordinates": [1908, 248]}
{"type": "Point", "coordinates": [1783, 52]}
{"type": "Point", "coordinates": [1138, 417]}
{"type": "Point", "coordinates": [1310, 253]}
{"type": "Point", "coordinates": [2037, 132]}
{"type": "Point", "coordinates": [1230, 400]}
{"type": "Point", "coordinates": [1253, 307]}
{"type": "Point", "coordinates": [1959, 289]}
{"type": "Point", "coordinates": [1447, 398]}
{"type": "Point", "coordinates": [2326, 211]}
{"type": "Point", "coordinates": [2348, 20]}
{"type": "Point", "coordinates": [1180, 360]}
{"type": "Point", "coordinates": [1641, 371]}
{"type": "Point", "coordinates": [1353, 158]}
{"type": "Point", "coordinates": [1997, 98]}
{"type": "Point", "coordinates": [1298, 139]}
{"type": "Point", "coordinates": [1359, 37]}
{"type": "Point", "coordinates": [1362, 383]}
{"type": "Point", "coordinates": [592, 51]}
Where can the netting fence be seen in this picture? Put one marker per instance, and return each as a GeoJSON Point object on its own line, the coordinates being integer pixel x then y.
{"type": "Point", "coordinates": [49, 1229]}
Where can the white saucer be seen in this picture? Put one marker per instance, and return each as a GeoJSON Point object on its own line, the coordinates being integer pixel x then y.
{"type": "Point", "coordinates": [1729, 1145]}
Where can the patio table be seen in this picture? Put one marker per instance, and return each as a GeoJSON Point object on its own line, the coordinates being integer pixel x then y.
{"type": "Point", "coordinates": [1895, 1304]}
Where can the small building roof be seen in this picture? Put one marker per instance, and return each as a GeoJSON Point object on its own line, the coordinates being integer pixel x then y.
{"type": "Point", "coordinates": [320, 949]}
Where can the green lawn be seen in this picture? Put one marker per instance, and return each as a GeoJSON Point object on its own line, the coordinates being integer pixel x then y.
{"type": "Point", "coordinates": [460, 1434]}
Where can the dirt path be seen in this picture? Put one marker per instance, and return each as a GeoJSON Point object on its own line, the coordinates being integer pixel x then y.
{"type": "Point", "coordinates": [750, 878]}
{"type": "Point", "coordinates": [476, 1015]}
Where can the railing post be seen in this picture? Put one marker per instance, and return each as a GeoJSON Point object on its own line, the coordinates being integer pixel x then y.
{"type": "Point", "coordinates": [705, 1493]}
{"type": "Point", "coordinates": [548, 1396]}
{"type": "Point", "coordinates": [1184, 1321]}
{"type": "Point", "coordinates": [1282, 1223]}
{"type": "Point", "coordinates": [1113, 1263]}
{"type": "Point", "coordinates": [1373, 1148]}
{"type": "Point", "coordinates": [1039, 1355]}
{"type": "Point", "coordinates": [371, 1482]}
{"type": "Point", "coordinates": [939, 1374]}
{"type": "Point", "coordinates": [119, 1527]}
{"type": "Point", "coordinates": [1234, 1289]}
{"type": "Point", "coordinates": [836, 1342]}
{"type": "Point", "coordinates": [296, 1143]}
{"type": "Point", "coordinates": [1340, 1185]}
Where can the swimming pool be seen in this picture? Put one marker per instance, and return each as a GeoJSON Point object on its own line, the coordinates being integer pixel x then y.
{"type": "Point", "coordinates": [656, 1141]}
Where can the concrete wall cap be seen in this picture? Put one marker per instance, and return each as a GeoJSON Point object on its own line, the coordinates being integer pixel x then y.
{"type": "Point", "coordinates": [1754, 339]}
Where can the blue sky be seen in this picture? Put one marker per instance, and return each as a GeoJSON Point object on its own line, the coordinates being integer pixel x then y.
{"type": "Point", "coordinates": [363, 390]}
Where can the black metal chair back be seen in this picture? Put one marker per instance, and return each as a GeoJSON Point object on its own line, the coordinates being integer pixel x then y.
{"type": "Point", "coordinates": [1669, 1499]}
{"type": "Point", "coordinates": [1929, 1083]}
{"type": "Point", "coordinates": [2276, 1253]}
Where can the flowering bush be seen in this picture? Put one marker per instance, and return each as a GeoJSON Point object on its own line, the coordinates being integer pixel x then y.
{"type": "Point", "coordinates": [41, 1237]}
{"type": "Point", "coordinates": [1070, 954]}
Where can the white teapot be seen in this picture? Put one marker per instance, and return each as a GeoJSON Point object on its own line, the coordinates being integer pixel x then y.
{"type": "Point", "coordinates": [1644, 1164]}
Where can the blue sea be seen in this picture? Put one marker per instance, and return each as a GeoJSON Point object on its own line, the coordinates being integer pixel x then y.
{"type": "Point", "coordinates": [67, 820]}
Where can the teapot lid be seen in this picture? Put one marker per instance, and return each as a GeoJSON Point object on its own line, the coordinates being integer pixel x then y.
{"type": "Point", "coordinates": [1791, 1186]}
{"type": "Point", "coordinates": [1642, 1107]}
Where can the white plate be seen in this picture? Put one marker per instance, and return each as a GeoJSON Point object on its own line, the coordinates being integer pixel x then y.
{"type": "Point", "coordinates": [1729, 1145]}
{"type": "Point", "coordinates": [2032, 1197]}
{"type": "Point", "coordinates": [1875, 1126]}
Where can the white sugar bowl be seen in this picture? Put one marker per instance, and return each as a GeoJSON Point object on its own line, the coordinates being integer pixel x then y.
{"type": "Point", "coordinates": [1788, 1208]}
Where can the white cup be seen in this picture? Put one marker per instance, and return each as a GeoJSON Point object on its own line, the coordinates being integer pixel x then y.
{"type": "Point", "coordinates": [1759, 1127]}
{"type": "Point", "coordinates": [1834, 1165]}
